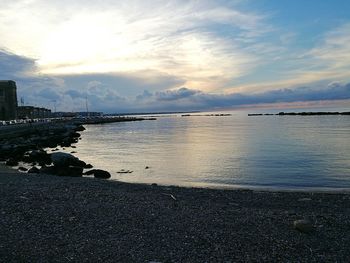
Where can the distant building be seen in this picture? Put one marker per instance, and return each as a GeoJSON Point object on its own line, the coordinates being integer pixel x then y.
{"type": "Point", "coordinates": [77, 114]}
{"type": "Point", "coordinates": [63, 114]}
{"type": "Point", "coordinates": [89, 114]}
{"type": "Point", "coordinates": [30, 112]}
{"type": "Point", "coordinates": [8, 100]}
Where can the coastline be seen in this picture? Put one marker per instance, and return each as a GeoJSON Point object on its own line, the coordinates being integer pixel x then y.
{"type": "Point", "coordinates": [53, 218]}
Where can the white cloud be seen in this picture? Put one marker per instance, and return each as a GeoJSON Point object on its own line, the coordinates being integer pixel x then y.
{"type": "Point", "coordinates": [327, 61]}
{"type": "Point", "coordinates": [117, 36]}
{"type": "Point", "coordinates": [334, 51]}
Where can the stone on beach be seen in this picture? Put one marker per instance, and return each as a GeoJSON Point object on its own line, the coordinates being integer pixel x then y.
{"type": "Point", "coordinates": [98, 173]}
{"type": "Point", "coordinates": [303, 225]}
{"type": "Point", "coordinates": [33, 170]}
{"type": "Point", "coordinates": [39, 156]}
{"type": "Point", "coordinates": [67, 171]}
{"type": "Point", "coordinates": [61, 159]}
{"type": "Point", "coordinates": [80, 128]}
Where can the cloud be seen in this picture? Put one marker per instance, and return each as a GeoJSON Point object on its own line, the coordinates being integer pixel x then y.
{"type": "Point", "coordinates": [120, 93]}
{"type": "Point", "coordinates": [170, 95]}
{"type": "Point", "coordinates": [12, 65]}
{"type": "Point", "coordinates": [74, 94]}
{"type": "Point", "coordinates": [187, 99]}
{"type": "Point", "coordinates": [334, 50]}
{"type": "Point", "coordinates": [135, 55]}
{"type": "Point", "coordinates": [49, 94]}
{"type": "Point", "coordinates": [176, 38]}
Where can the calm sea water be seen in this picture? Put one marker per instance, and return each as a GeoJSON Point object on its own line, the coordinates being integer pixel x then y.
{"type": "Point", "coordinates": [286, 152]}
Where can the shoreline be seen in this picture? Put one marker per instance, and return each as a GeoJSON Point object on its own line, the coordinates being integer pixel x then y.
{"type": "Point", "coordinates": [50, 218]}
{"type": "Point", "coordinates": [225, 187]}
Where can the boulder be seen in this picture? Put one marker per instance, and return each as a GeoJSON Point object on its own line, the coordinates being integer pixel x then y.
{"type": "Point", "coordinates": [22, 169]}
{"type": "Point", "coordinates": [61, 159]}
{"type": "Point", "coordinates": [80, 128]}
{"type": "Point", "coordinates": [88, 166]}
{"type": "Point", "coordinates": [74, 135]}
{"type": "Point", "coordinates": [48, 170]}
{"type": "Point", "coordinates": [69, 171]}
{"type": "Point", "coordinates": [39, 156]}
{"type": "Point", "coordinates": [97, 173]}
{"type": "Point", "coordinates": [303, 225]}
{"type": "Point", "coordinates": [33, 170]}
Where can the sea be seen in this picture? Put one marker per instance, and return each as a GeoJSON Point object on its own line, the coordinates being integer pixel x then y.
{"type": "Point", "coordinates": [231, 151]}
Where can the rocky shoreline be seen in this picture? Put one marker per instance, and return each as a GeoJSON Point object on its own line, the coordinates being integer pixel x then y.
{"type": "Point", "coordinates": [30, 149]}
{"type": "Point", "coordinates": [28, 145]}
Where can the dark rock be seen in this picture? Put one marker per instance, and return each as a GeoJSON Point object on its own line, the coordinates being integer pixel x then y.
{"type": "Point", "coordinates": [80, 128]}
{"type": "Point", "coordinates": [48, 170]}
{"type": "Point", "coordinates": [23, 169]}
{"type": "Point", "coordinates": [33, 170]}
{"type": "Point", "coordinates": [80, 163]}
{"type": "Point", "coordinates": [61, 159]}
{"type": "Point", "coordinates": [147, 167]}
{"type": "Point", "coordinates": [11, 162]}
{"type": "Point", "coordinates": [88, 166]}
{"type": "Point", "coordinates": [74, 135]}
{"type": "Point", "coordinates": [98, 173]}
{"type": "Point", "coordinates": [66, 142]}
{"type": "Point", "coordinates": [39, 156]}
{"type": "Point", "coordinates": [303, 225]}
{"type": "Point", "coordinates": [51, 144]}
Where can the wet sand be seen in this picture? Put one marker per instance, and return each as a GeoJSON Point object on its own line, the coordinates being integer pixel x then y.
{"type": "Point", "coordinates": [46, 218]}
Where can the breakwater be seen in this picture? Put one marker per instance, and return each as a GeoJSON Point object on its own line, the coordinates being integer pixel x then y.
{"type": "Point", "coordinates": [57, 125]}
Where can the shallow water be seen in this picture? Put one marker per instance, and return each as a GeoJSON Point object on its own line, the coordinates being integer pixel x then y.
{"type": "Point", "coordinates": [286, 152]}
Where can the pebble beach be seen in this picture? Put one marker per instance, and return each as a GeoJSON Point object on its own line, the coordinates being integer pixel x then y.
{"type": "Point", "coordinates": [48, 218]}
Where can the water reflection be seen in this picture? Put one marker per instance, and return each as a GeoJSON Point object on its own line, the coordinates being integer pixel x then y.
{"type": "Point", "coordinates": [234, 150]}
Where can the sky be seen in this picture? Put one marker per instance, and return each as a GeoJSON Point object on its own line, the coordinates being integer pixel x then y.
{"type": "Point", "coordinates": [138, 56]}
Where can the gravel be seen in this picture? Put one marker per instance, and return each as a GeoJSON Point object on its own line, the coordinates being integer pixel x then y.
{"type": "Point", "coordinates": [47, 218]}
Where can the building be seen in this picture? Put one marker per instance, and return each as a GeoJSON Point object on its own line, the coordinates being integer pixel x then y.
{"type": "Point", "coordinates": [83, 114]}
{"type": "Point", "coordinates": [8, 100]}
{"type": "Point", "coordinates": [30, 112]}
{"type": "Point", "coordinates": [89, 114]}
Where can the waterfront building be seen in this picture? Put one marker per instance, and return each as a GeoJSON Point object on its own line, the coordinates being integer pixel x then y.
{"type": "Point", "coordinates": [89, 114]}
{"type": "Point", "coordinates": [8, 100]}
{"type": "Point", "coordinates": [30, 112]}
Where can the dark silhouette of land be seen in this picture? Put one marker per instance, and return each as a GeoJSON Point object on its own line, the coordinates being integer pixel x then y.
{"type": "Point", "coordinates": [300, 113]}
